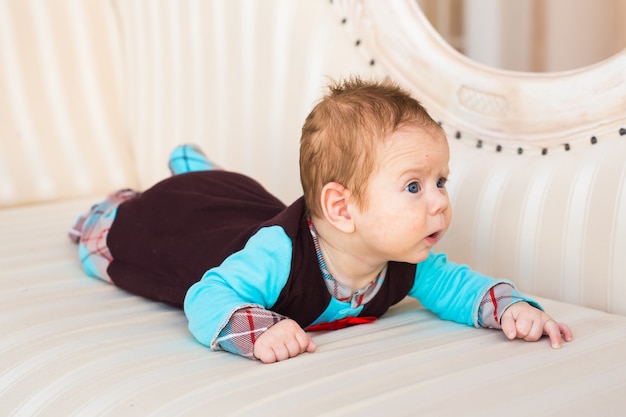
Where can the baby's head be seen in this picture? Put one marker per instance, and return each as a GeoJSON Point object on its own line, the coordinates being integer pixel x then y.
{"type": "Point", "coordinates": [342, 135]}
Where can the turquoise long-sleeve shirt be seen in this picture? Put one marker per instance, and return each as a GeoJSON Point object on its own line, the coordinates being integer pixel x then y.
{"type": "Point", "coordinates": [257, 275]}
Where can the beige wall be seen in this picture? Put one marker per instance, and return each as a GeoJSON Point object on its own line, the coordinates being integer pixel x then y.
{"type": "Point", "coordinates": [532, 35]}
{"type": "Point", "coordinates": [582, 32]}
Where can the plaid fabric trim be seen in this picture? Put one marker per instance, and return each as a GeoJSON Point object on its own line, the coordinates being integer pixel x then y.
{"type": "Point", "coordinates": [499, 297]}
{"type": "Point", "coordinates": [244, 328]}
{"type": "Point", "coordinates": [90, 232]}
{"type": "Point", "coordinates": [340, 291]}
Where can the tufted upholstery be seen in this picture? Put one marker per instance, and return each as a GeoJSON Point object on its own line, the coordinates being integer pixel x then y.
{"type": "Point", "coordinates": [538, 181]}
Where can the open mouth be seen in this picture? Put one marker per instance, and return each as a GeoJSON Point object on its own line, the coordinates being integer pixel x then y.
{"type": "Point", "coordinates": [433, 238]}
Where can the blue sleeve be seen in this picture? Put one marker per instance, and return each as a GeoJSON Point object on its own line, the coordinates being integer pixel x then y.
{"type": "Point", "coordinates": [252, 277]}
{"type": "Point", "coordinates": [451, 291]}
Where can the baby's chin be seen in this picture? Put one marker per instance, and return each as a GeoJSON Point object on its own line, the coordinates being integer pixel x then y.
{"type": "Point", "coordinates": [416, 258]}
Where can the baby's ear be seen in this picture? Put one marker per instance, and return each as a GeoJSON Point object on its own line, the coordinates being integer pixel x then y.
{"type": "Point", "coordinates": [335, 206]}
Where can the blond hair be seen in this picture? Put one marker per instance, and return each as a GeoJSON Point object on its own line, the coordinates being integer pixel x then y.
{"type": "Point", "coordinates": [341, 134]}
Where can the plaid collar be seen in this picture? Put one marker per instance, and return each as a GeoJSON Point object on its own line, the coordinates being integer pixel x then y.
{"type": "Point", "coordinates": [339, 291]}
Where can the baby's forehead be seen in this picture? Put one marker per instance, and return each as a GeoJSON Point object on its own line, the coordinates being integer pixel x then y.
{"type": "Point", "coordinates": [415, 145]}
{"type": "Point", "coordinates": [426, 135]}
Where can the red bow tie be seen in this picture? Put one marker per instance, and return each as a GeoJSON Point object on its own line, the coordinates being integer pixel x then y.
{"type": "Point", "coordinates": [340, 324]}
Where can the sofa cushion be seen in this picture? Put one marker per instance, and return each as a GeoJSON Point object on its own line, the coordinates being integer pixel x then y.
{"type": "Point", "coordinates": [75, 345]}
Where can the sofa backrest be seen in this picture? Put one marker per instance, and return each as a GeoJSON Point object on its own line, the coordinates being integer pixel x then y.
{"type": "Point", "coordinates": [63, 129]}
{"type": "Point", "coordinates": [94, 95]}
{"type": "Point", "coordinates": [236, 77]}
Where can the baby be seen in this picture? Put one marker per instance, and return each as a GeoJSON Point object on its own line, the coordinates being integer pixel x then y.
{"type": "Point", "coordinates": [256, 277]}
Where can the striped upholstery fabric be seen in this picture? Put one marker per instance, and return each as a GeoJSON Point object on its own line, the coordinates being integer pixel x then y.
{"type": "Point", "coordinates": [236, 77]}
{"type": "Point", "coordinates": [554, 224]}
{"type": "Point", "coordinates": [62, 126]}
{"type": "Point", "coordinates": [552, 220]}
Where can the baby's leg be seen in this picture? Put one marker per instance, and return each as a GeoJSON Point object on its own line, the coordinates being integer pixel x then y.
{"type": "Point", "coordinates": [90, 232]}
{"type": "Point", "coordinates": [189, 158]}
{"type": "Point", "coordinates": [91, 229]}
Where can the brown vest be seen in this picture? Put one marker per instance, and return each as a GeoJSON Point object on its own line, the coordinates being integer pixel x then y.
{"type": "Point", "coordinates": [163, 241]}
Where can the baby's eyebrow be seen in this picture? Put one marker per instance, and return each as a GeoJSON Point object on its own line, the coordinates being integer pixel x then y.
{"type": "Point", "coordinates": [421, 169]}
{"type": "Point", "coordinates": [412, 172]}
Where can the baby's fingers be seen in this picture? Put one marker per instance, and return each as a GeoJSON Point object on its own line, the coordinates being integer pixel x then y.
{"type": "Point", "coordinates": [298, 344]}
{"type": "Point", "coordinates": [522, 327]}
{"type": "Point", "coordinates": [552, 330]}
{"type": "Point", "coordinates": [305, 343]}
{"type": "Point", "coordinates": [557, 332]}
{"type": "Point", "coordinates": [507, 324]}
{"type": "Point", "coordinates": [284, 340]}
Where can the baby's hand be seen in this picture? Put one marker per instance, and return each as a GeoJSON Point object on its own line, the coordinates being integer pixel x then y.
{"type": "Point", "coordinates": [523, 321]}
{"type": "Point", "coordinates": [284, 340]}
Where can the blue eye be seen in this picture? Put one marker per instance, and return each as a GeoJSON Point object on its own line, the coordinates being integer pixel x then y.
{"type": "Point", "coordinates": [441, 182]}
{"type": "Point", "coordinates": [413, 187]}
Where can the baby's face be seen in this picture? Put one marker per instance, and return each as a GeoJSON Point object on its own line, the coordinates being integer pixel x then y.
{"type": "Point", "coordinates": [408, 208]}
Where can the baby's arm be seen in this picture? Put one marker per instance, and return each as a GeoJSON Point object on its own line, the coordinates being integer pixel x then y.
{"type": "Point", "coordinates": [243, 329]}
{"type": "Point", "coordinates": [229, 308]}
{"type": "Point", "coordinates": [523, 321]}
{"type": "Point", "coordinates": [450, 291]}
{"type": "Point", "coordinates": [257, 333]}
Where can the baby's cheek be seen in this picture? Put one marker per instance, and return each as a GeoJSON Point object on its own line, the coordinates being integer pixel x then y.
{"type": "Point", "coordinates": [448, 216]}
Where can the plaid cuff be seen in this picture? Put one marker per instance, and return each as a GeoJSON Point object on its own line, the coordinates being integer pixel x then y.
{"type": "Point", "coordinates": [91, 229]}
{"type": "Point", "coordinates": [244, 328]}
{"type": "Point", "coordinates": [499, 297]}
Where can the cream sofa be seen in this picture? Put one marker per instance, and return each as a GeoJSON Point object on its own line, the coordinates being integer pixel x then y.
{"type": "Point", "coordinates": [93, 96]}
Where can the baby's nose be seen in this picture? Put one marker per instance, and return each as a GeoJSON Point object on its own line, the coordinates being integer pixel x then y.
{"type": "Point", "coordinates": [438, 202]}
